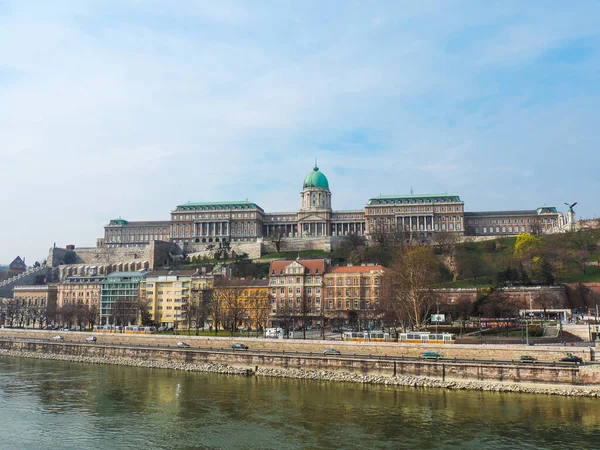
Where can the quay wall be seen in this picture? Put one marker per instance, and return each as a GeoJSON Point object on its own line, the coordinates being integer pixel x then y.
{"type": "Point", "coordinates": [253, 362]}
{"type": "Point", "coordinates": [462, 351]}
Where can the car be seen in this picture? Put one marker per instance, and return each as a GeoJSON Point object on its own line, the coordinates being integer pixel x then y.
{"type": "Point", "coordinates": [527, 358]}
{"type": "Point", "coordinates": [49, 327]}
{"type": "Point", "coordinates": [91, 339]}
{"type": "Point", "coordinates": [331, 352]}
{"type": "Point", "coordinates": [58, 338]}
{"type": "Point", "coordinates": [432, 355]}
{"type": "Point", "coordinates": [238, 346]}
{"type": "Point", "coordinates": [182, 345]}
{"type": "Point", "coordinates": [163, 328]}
{"type": "Point", "coordinates": [336, 330]}
{"type": "Point", "coordinates": [572, 358]}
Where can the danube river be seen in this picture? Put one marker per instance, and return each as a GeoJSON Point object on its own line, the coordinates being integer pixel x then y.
{"type": "Point", "coordinates": [53, 404]}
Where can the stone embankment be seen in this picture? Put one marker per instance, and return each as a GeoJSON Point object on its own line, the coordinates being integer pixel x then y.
{"type": "Point", "coordinates": [314, 375]}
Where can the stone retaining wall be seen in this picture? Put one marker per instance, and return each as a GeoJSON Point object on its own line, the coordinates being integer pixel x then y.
{"type": "Point", "coordinates": [444, 370]}
{"type": "Point", "coordinates": [462, 351]}
{"type": "Point", "coordinates": [317, 375]}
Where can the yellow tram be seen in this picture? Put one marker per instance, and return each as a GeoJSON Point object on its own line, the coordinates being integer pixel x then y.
{"type": "Point", "coordinates": [424, 337]}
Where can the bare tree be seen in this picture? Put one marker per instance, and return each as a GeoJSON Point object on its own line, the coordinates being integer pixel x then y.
{"type": "Point", "coordinates": [260, 304]}
{"type": "Point", "coordinates": [125, 310]}
{"type": "Point", "coordinates": [277, 238]}
{"type": "Point", "coordinates": [92, 315]}
{"type": "Point", "coordinates": [228, 295]}
{"type": "Point", "coordinates": [67, 313]}
{"type": "Point", "coordinates": [409, 282]}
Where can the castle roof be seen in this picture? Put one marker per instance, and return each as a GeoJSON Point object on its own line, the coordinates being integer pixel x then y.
{"type": "Point", "coordinates": [316, 179]}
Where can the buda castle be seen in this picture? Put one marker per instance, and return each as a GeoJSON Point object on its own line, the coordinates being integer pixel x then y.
{"type": "Point", "coordinates": [246, 222]}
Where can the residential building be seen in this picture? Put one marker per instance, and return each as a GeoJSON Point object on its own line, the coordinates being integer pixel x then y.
{"type": "Point", "coordinates": [296, 291]}
{"type": "Point", "coordinates": [34, 304]}
{"type": "Point", "coordinates": [167, 293]}
{"type": "Point", "coordinates": [17, 266]}
{"type": "Point", "coordinates": [79, 289]}
{"type": "Point", "coordinates": [120, 289]}
{"type": "Point", "coordinates": [242, 303]}
{"type": "Point", "coordinates": [353, 294]}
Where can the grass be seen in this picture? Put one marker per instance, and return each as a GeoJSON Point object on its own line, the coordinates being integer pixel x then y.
{"type": "Point", "coordinates": [592, 275]}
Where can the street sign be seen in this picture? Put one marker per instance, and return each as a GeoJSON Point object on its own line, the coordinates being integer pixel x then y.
{"type": "Point", "coordinates": [438, 318]}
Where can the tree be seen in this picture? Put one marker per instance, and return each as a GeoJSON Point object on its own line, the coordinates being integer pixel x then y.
{"type": "Point", "coordinates": [469, 263]}
{"type": "Point", "coordinates": [527, 245]}
{"type": "Point", "coordinates": [92, 315]}
{"type": "Point", "coordinates": [228, 295]}
{"type": "Point", "coordinates": [494, 303]}
{"type": "Point", "coordinates": [277, 238]}
{"type": "Point", "coordinates": [260, 304]}
{"type": "Point", "coordinates": [125, 310]}
{"type": "Point", "coordinates": [445, 242]}
{"type": "Point", "coordinates": [409, 282]}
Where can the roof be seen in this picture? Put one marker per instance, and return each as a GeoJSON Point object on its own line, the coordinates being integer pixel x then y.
{"type": "Point", "coordinates": [430, 197]}
{"type": "Point", "coordinates": [17, 263]}
{"type": "Point", "coordinates": [241, 282]}
{"type": "Point", "coordinates": [141, 273]}
{"type": "Point", "coordinates": [354, 269]}
{"type": "Point", "coordinates": [310, 264]}
{"type": "Point", "coordinates": [191, 206]}
{"type": "Point", "coordinates": [316, 179]}
{"type": "Point", "coordinates": [526, 212]}
{"type": "Point", "coordinates": [172, 273]}
{"type": "Point", "coordinates": [148, 223]}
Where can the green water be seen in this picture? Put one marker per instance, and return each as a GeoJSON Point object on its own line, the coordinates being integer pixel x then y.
{"type": "Point", "coordinates": [48, 404]}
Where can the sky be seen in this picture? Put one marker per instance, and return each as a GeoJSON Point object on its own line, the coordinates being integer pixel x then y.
{"type": "Point", "coordinates": [128, 108]}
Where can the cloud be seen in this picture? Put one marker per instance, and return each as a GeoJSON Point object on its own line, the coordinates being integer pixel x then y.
{"type": "Point", "coordinates": [131, 107]}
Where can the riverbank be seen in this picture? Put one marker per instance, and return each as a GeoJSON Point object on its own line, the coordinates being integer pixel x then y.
{"type": "Point", "coordinates": [315, 375]}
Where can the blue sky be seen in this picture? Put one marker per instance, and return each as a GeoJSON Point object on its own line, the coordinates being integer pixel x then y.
{"type": "Point", "coordinates": [129, 107]}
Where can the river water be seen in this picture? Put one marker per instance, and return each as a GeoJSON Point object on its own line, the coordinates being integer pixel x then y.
{"type": "Point", "coordinates": [62, 405]}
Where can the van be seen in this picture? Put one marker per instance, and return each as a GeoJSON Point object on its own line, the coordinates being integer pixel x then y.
{"type": "Point", "coordinates": [274, 333]}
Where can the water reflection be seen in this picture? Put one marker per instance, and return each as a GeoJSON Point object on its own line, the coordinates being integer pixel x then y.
{"type": "Point", "coordinates": [86, 406]}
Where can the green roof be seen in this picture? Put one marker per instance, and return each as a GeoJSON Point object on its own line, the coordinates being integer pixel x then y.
{"type": "Point", "coordinates": [382, 198]}
{"type": "Point", "coordinates": [118, 221]}
{"type": "Point", "coordinates": [193, 206]}
{"type": "Point", "coordinates": [316, 179]}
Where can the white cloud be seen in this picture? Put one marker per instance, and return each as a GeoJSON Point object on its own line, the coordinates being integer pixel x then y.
{"type": "Point", "coordinates": [130, 108]}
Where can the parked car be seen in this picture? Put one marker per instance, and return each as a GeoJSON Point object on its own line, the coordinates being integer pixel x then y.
{"type": "Point", "coordinates": [163, 328]}
{"type": "Point", "coordinates": [91, 339]}
{"type": "Point", "coordinates": [572, 358]}
{"type": "Point", "coordinates": [48, 327]}
{"type": "Point", "coordinates": [331, 352]}
{"type": "Point", "coordinates": [58, 338]}
{"type": "Point", "coordinates": [336, 330]}
{"type": "Point", "coordinates": [182, 345]}
{"type": "Point", "coordinates": [238, 346]}
{"type": "Point", "coordinates": [432, 355]}
{"type": "Point", "coordinates": [527, 358]}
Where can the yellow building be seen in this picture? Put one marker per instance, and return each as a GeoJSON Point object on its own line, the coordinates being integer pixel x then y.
{"type": "Point", "coordinates": [167, 292]}
{"type": "Point", "coordinates": [239, 302]}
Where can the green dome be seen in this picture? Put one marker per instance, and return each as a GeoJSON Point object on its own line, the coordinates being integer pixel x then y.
{"type": "Point", "coordinates": [316, 179]}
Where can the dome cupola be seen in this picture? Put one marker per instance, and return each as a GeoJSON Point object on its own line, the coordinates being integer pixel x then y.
{"type": "Point", "coordinates": [316, 179]}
